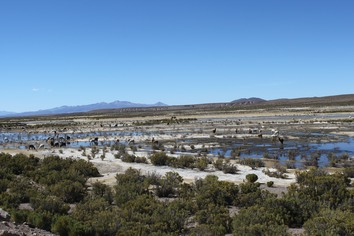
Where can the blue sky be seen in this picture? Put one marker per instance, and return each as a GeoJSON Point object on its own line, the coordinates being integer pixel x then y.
{"type": "Point", "coordinates": [75, 52]}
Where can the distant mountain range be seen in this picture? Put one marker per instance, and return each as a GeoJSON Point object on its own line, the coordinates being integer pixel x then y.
{"type": "Point", "coordinates": [103, 107]}
{"type": "Point", "coordinates": [82, 108]}
{"type": "Point", "coordinates": [6, 113]}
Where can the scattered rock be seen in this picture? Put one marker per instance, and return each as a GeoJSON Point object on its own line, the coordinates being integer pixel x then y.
{"type": "Point", "coordinates": [4, 215]}
{"type": "Point", "coordinates": [8, 228]}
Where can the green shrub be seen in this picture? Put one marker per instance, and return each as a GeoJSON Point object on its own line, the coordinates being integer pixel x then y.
{"type": "Point", "coordinates": [228, 168]}
{"type": "Point", "coordinates": [214, 218]}
{"type": "Point", "coordinates": [62, 225]}
{"type": "Point", "coordinates": [119, 147]}
{"type": "Point", "coordinates": [275, 174]}
{"type": "Point", "coordinates": [266, 155]}
{"type": "Point", "coordinates": [159, 159]}
{"type": "Point", "coordinates": [202, 163]}
{"type": "Point", "coordinates": [50, 204]}
{"type": "Point", "coordinates": [141, 160]}
{"type": "Point", "coordinates": [184, 161]}
{"type": "Point", "coordinates": [130, 185]}
{"type": "Point", "coordinates": [212, 191]}
{"type": "Point", "coordinates": [270, 184]}
{"type": "Point", "coordinates": [251, 178]}
{"type": "Point", "coordinates": [218, 164]}
{"type": "Point", "coordinates": [69, 191]}
{"type": "Point", "coordinates": [10, 201]}
{"type": "Point", "coordinates": [42, 220]}
{"type": "Point", "coordinates": [101, 190]}
{"type": "Point", "coordinates": [331, 222]}
{"type": "Point", "coordinates": [128, 158]}
{"type": "Point", "coordinates": [349, 172]}
{"type": "Point", "coordinates": [256, 220]}
{"type": "Point", "coordinates": [169, 185]}
{"type": "Point", "coordinates": [316, 187]}
{"type": "Point", "coordinates": [84, 168]}
{"type": "Point", "coordinates": [19, 216]}
{"type": "Point", "coordinates": [253, 163]}
{"type": "Point", "coordinates": [3, 185]}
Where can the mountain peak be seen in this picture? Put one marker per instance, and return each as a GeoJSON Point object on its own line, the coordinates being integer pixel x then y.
{"type": "Point", "coordinates": [251, 100]}
{"type": "Point", "coordinates": [83, 108]}
{"type": "Point", "coordinates": [160, 104]}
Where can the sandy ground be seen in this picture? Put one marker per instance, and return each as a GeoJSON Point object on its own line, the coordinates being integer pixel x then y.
{"type": "Point", "coordinates": [109, 167]}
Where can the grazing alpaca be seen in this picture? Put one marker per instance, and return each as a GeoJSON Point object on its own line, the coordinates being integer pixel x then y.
{"type": "Point", "coordinates": [131, 141]}
{"type": "Point", "coordinates": [31, 147]}
{"type": "Point", "coordinates": [173, 119]}
{"type": "Point", "coordinates": [275, 136]}
{"type": "Point", "coordinates": [62, 144]}
{"type": "Point", "coordinates": [50, 141]}
{"type": "Point", "coordinates": [154, 141]}
{"type": "Point", "coordinates": [94, 141]}
{"type": "Point", "coordinates": [275, 132]}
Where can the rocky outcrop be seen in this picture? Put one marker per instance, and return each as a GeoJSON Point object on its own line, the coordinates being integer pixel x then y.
{"type": "Point", "coordinates": [8, 228]}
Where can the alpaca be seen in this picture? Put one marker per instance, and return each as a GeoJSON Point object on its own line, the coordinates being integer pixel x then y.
{"type": "Point", "coordinates": [154, 141]}
{"type": "Point", "coordinates": [131, 141]}
{"type": "Point", "coordinates": [94, 141]}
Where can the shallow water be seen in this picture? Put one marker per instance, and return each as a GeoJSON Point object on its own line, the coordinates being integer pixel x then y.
{"type": "Point", "coordinates": [337, 146]}
{"type": "Point", "coordinates": [252, 149]}
{"type": "Point", "coordinates": [281, 152]}
{"type": "Point", "coordinates": [8, 137]}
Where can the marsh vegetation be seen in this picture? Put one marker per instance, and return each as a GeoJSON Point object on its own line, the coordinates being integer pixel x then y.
{"type": "Point", "coordinates": [214, 172]}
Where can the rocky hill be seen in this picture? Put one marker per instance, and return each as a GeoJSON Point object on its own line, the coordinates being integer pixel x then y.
{"type": "Point", "coordinates": [245, 101]}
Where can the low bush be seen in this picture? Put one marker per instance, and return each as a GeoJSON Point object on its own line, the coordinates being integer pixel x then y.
{"type": "Point", "coordinates": [160, 159]}
{"type": "Point", "coordinates": [275, 174]}
{"type": "Point", "coordinates": [202, 163]}
{"type": "Point", "coordinates": [251, 178]}
{"type": "Point", "coordinates": [228, 168]}
{"type": "Point", "coordinates": [141, 160]}
{"type": "Point", "coordinates": [253, 163]}
{"type": "Point", "coordinates": [331, 222]}
{"type": "Point", "coordinates": [218, 164]}
{"type": "Point", "coordinates": [128, 158]}
{"type": "Point", "coordinates": [349, 172]}
{"type": "Point", "coordinates": [184, 161]}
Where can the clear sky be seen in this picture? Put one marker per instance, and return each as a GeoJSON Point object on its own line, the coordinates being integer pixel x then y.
{"type": "Point", "coordinates": [75, 52]}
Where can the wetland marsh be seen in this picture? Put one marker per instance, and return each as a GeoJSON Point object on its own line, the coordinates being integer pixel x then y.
{"type": "Point", "coordinates": [293, 138]}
